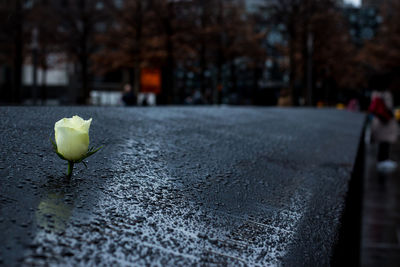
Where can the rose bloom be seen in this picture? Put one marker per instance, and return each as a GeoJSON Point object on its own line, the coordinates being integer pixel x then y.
{"type": "Point", "coordinates": [72, 137]}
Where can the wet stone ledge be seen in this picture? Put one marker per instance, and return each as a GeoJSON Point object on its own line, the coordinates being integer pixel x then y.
{"type": "Point", "coordinates": [177, 186]}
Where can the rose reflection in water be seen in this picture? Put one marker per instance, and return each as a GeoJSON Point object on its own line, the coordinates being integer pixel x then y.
{"type": "Point", "coordinates": [53, 213]}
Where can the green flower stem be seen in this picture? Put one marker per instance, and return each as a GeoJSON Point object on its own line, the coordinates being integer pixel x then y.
{"type": "Point", "coordinates": [70, 168]}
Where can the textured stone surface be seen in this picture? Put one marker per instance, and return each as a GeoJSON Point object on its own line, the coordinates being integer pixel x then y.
{"type": "Point", "coordinates": [177, 186]}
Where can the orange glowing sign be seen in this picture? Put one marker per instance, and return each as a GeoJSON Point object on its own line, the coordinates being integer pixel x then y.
{"type": "Point", "coordinates": [150, 81]}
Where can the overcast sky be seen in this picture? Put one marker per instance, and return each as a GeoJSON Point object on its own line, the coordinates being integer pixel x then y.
{"type": "Point", "coordinates": [354, 2]}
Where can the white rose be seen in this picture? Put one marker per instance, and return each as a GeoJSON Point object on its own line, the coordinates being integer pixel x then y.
{"type": "Point", "coordinates": [72, 137]}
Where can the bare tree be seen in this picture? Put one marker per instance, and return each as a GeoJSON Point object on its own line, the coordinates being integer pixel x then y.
{"type": "Point", "coordinates": [197, 35]}
{"type": "Point", "coordinates": [225, 33]}
{"type": "Point", "coordinates": [319, 47]}
{"type": "Point", "coordinates": [381, 56]}
{"type": "Point", "coordinates": [78, 22]}
{"type": "Point", "coordinates": [334, 55]}
{"type": "Point", "coordinates": [132, 41]}
{"type": "Point", "coordinates": [48, 40]}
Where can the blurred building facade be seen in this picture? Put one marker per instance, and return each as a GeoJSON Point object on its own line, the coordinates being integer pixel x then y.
{"type": "Point", "coordinates": [372, 3]}
{"type": "Point", "coordinates": [363, 22]}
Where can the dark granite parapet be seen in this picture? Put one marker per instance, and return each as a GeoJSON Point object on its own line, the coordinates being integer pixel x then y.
{"type": "Point", "coordinates": [177, 186]}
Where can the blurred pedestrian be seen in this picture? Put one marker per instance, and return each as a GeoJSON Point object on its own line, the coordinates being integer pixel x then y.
{"type": "Point", "coordinates": [128, 96]}
{"type": "Point", "coordinates": [353, 105]}
{"type": "Point", "coordinates": [384, 128]}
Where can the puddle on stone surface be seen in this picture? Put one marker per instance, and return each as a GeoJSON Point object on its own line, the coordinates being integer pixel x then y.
{"type": "Point", "coordinates": [52, 213]}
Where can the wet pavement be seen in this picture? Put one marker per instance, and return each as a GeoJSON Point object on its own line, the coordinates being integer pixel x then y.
{"type": "Point", "coordinates": [381, 213]}
{"type": "Point", "coordinates": [177, 186]}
